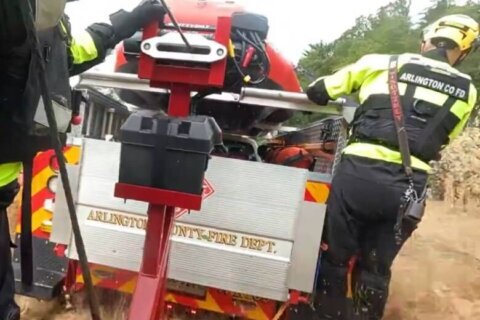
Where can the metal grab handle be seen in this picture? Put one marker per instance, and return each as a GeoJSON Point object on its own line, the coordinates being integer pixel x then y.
{"type": "Point", "coordinates": [249, 96]}
{"type": "Point", "coordinates": [284, 96]}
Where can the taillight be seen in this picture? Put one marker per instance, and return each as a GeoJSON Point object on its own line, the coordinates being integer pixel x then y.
{"type": "Point", "coordinates": [52, 184]}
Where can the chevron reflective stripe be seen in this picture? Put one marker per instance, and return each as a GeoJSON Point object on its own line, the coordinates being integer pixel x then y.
{"type": "Point", "coordinates": [317, 192]}
{"type": "Point", "coordinates": [220, 301]}
{"type": "Point", "coordinates": [43, 172]}
{"type": "Point", "coordinates": [214, 300]}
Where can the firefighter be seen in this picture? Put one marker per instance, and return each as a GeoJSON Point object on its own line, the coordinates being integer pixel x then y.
{"type": "Point", "coordinates": [364, 205]}
{"type": "Point", "coordinates": [64, 56]}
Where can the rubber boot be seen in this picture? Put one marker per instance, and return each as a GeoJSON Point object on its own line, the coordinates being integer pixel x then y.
{"type": "Point", "coordinates": [331, 300]}
{"type": "Point", "coordinates": [302, 312]}
{"type": "Point", "coordinates": [371, 295]}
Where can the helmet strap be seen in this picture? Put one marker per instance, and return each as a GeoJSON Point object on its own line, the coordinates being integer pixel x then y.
{"type": "Point", "coordinates": [443, 52]}
{"type": "Point", "coordinates": [462, 57]}
{"type": "Point", "coordinates": [437, 54]}
{"type": "Point", "coordinates": [475, 45]}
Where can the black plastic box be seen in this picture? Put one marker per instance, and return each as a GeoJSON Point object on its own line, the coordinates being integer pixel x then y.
{"type": "Point", "coordinates": [246, 21]}
{"type": "Point", "coordinates": [167, 153]}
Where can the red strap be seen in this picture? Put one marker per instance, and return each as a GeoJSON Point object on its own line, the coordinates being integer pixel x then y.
{"type": "Point", "coordinates": [398, 116]}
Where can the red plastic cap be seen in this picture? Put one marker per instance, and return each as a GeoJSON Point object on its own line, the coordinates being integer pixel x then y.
{"type": "Point", "coordinates": [59, 250]}
{"type": "Point", "coordinates": [76, 120]}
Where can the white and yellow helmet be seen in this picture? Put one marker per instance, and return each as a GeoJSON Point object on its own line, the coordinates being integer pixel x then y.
{"type": "Point", "coordinates": [459, 28]}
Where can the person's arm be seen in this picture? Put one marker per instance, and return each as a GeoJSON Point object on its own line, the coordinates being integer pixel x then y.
{"type": "Point", "coordinates": [91, 47]}
{"type": "Point", "coordinates": [347, 80]}
{"type": "Point", "coordinates": [463, 112]}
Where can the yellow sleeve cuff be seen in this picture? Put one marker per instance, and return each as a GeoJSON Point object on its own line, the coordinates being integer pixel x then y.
{"type": "Point", "coordinates": [83, 48]}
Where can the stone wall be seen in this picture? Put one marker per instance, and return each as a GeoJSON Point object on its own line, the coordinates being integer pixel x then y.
{"type": "Point", "coordinates": [456, 177]}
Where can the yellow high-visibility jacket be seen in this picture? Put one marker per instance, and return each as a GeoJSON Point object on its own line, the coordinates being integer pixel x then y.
{"type": "Point", "coordinates": [437, 100]}
{"type": "Point", "coordinates": [84, 51]}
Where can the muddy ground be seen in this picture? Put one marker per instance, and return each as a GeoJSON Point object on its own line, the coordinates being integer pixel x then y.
{"type": "Point", "coordinates": [436, 277]}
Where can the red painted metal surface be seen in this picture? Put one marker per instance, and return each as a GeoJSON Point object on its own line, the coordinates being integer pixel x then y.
{"type": "Point", "coordinates": [179, 104]}
{"type": "Point", "coordinates": [195, 78]}
{"type": "Point", "coordinates": [282, 71]}
{"type": "Point", "coordinates": [149, 297]}
{"type": "Point", "coordinates": [206, 13]}
{"type": "Point", "coordinates": [158, 196]}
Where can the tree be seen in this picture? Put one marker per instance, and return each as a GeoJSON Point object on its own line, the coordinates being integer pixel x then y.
{"type": "Point", "coordinates": [390, 30]}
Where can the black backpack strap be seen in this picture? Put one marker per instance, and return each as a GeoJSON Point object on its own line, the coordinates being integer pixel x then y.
{"type": "Point", "coordinates": [398, 117]}
{"type": "Point", "coordinates": [26, 251]}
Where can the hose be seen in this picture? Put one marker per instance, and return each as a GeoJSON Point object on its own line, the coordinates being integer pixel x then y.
{"type": "Point", "coordinates": [29, 21]}
{"type": "Point", "coordinates": [263, 54]}
{"type": "Point", "coordinates": [177, 26]}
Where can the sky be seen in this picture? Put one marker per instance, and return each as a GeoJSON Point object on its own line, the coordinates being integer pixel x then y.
{"type": "Point", "coordinates": [294, 24]}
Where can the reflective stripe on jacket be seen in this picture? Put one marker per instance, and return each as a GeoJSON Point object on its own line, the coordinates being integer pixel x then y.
{"type": "Point", "coordinates": [9, 172]}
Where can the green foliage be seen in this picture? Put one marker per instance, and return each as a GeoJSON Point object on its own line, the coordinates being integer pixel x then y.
{"type": "Point", "coordinates": [390, 30]}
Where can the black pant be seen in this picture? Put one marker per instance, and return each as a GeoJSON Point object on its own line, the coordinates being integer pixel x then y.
{"type": "Point", "coordinates": [7, 279]}
{"type": "Point", "coordinates": [362, 210]}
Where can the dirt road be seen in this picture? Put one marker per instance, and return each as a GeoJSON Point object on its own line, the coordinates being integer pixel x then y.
{"type": "Point", "coordinates": [436, 277]}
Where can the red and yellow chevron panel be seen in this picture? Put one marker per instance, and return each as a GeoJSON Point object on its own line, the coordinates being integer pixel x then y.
{"type": "Point", "coordinates": [44, 169]}
{"type": "Point", "coordinates": [317, 192]}
{"type": "Point", "coordinates": [243, 306]}
{"type": "Point", "coordinates": [214, 300]}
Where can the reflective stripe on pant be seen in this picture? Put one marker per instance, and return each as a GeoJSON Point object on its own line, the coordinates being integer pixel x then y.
{"type": "Point", "coordinates": [361, 213]}
{"type": "Point", "coordinates": [7, 279]}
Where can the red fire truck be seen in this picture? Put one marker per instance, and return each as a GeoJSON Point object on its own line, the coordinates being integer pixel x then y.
{"type": "Point", "coordinates": [252, 250]}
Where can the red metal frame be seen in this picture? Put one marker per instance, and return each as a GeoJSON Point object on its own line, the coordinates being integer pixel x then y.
{"type": "Point", "coordinates": [169, 76]}
{"type": "Point", "coordinates": [149, 297]}
{"type": "Point", "coordinates": [158, 196]}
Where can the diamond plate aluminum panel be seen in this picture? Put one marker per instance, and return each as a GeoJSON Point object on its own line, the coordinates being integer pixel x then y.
{"type": "Point", "coordinates": [61, 224]}
{"type": "Point", "coordinates": [266, 198]}
{"type": "Point", "coordinates": [306, 247]}
{"type": "Point", "coordinates": [215, 262]}
{"type": "Point", "coordinates": [241, 240]}
{"type": "Point", "coordinates": [109, 244]}
{"type": "Point", "coordinates": [99, 173]}
{"type": "Point", "coordinates": [248, 274]}
{"type": "Point", "coordinates": [260, 193]}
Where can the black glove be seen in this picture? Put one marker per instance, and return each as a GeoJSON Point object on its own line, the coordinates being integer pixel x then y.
{"type": "Point", "coordinates": [8, 194]}
{"type": "Point", "coordinates": [317, 93]}
{"type": "Point", "coordinates": [125, 24]}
